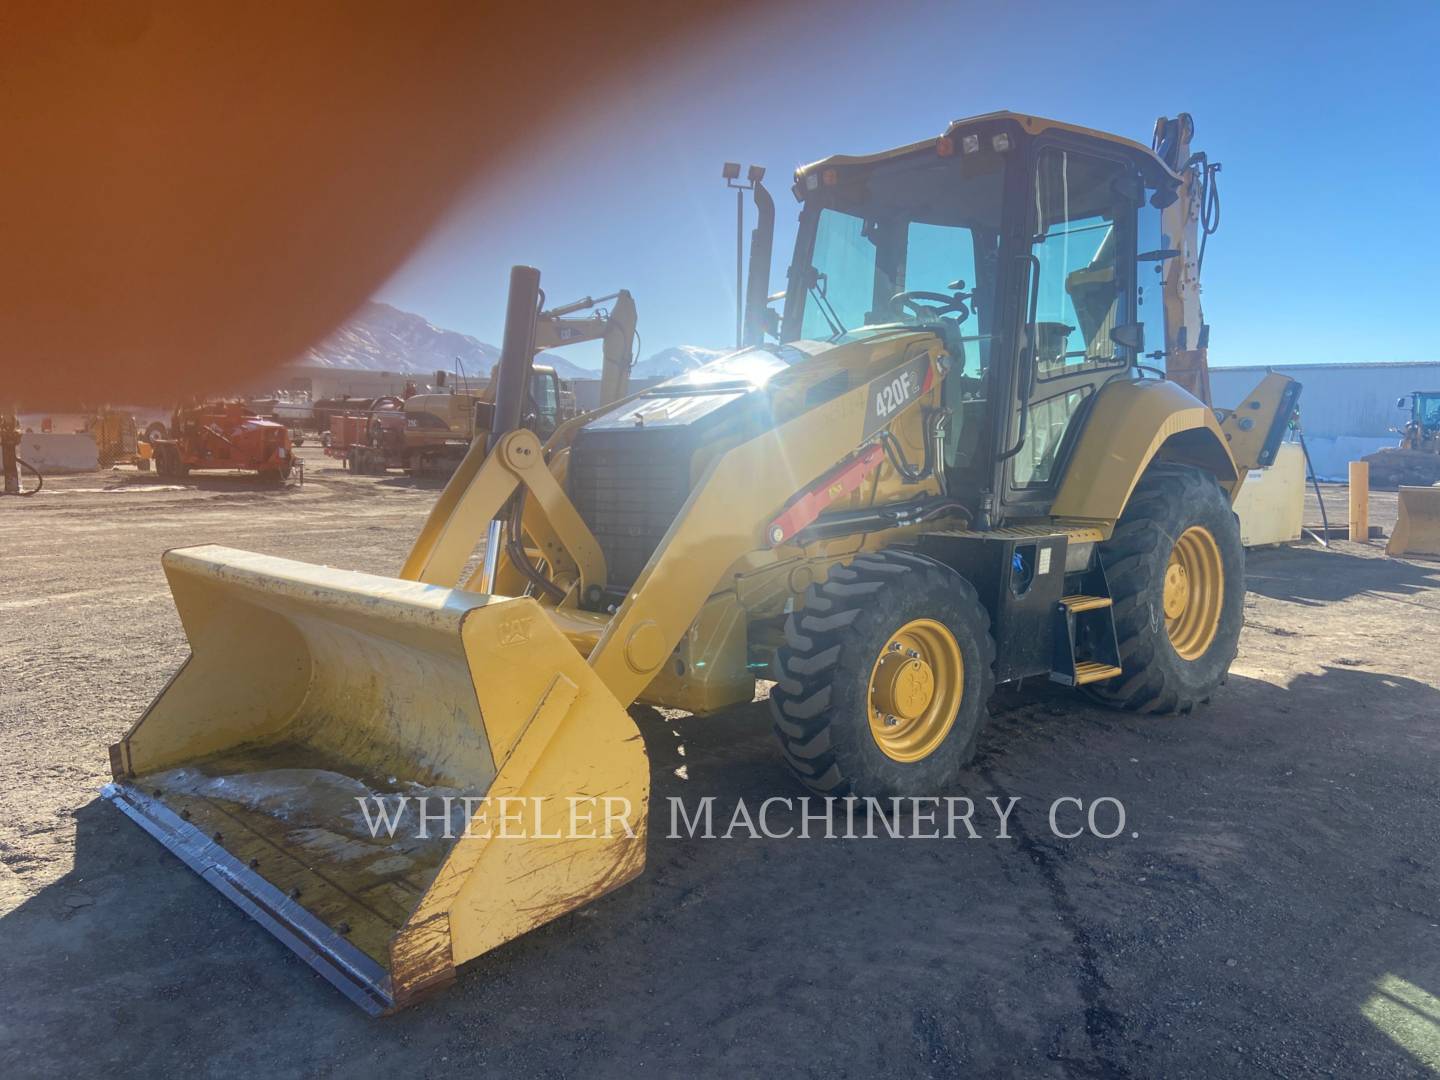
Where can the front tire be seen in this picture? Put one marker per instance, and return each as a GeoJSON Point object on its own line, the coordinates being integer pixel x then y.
{"type": "Point", "coordinates": [168, 463]}
{"type": "Point", "coordinates": [883, 678]}
{"type": "Point", "coordinates": [1176, 570]}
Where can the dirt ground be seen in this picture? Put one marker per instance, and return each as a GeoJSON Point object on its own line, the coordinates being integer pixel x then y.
{"type": "Point", "coordinates": [1271, 907]}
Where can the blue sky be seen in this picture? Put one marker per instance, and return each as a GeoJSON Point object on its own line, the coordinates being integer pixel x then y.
{"type": "Point", "coordinates": [1324, 116]}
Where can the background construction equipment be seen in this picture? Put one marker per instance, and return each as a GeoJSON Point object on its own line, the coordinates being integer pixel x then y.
{"type": "Point", "coordinates": [1416, 458]}
{"type": "Point", "coordinates": [223, 435]}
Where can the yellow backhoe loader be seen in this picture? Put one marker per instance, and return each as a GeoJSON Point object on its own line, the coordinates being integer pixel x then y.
{"type": "Point", "coordinates": [950, 470]}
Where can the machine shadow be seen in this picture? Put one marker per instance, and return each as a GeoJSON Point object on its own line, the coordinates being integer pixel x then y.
{"type": "Point", "coordinates": [1313, 576]}
{"type": "Point", "coordinates": [235, 482]}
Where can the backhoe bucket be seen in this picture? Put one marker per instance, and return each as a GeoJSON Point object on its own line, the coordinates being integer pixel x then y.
{"type": "Point", "coordinates": [1417, 532]}
{"type": "Point", "coordinates": [392, 777]}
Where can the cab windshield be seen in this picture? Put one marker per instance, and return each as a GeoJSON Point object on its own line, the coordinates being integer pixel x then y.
{"type": "Point", "coordinates": [1427, 408]}
{"type": "Point", "coordinates": [905, 228]}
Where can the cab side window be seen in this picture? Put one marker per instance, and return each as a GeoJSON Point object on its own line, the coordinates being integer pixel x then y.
{"type": "Point", "coordinates": [1080, 298]}
{"type": "Point", "coordinates": [1080, 276]}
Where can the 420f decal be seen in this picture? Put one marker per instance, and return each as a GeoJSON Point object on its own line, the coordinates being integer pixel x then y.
{"type": "Point", "coordinates": [891, 393]}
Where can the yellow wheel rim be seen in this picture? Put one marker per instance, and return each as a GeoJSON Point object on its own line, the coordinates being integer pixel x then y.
{"type": "Point", "coordinates": [1194, 592]}
{"type": "Point", "coordinates": [915, 690]}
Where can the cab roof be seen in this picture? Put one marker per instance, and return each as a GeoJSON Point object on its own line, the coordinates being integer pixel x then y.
{"type": "Point", "coordinates": [1032, 125]}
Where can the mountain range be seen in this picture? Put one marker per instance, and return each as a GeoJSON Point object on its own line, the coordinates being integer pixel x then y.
{"type": "Point", "coordinates": [675, 360]}
{"type": "Point", "coordinates": [380, 337]}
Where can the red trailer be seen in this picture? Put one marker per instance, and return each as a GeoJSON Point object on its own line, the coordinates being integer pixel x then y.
{"type": "Point", "coordinates": [370, 439]}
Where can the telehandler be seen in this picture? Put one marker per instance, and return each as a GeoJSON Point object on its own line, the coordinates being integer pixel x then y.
{"type": "Point", "coordinates": [951, 469]}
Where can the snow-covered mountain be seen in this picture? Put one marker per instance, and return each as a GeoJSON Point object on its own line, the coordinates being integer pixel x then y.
{"type": "Point", "coordinates": [675, 360]}
{"type": "Point", "coordinates": [379, 337]}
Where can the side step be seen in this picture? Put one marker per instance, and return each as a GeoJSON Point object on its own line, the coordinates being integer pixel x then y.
{"type": "Point", "coordinates": [1088, 671]}
{"type": "Point", "coordinates": [1086, 650]}
{"type": "Point", "coordinates": [1079, 603]}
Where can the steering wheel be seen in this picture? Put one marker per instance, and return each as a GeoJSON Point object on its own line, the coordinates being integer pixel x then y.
{"type": "Point", "coordinates": [929, 306]}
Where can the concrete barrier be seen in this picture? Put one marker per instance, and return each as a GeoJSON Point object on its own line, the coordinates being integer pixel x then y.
{"type": "Point", "coordinates": [56, 453]}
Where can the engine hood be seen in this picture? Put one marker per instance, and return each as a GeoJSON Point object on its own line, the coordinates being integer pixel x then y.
{"type": "Point", "coordinates": [758, 373]}
{"type": "Point", "coordinates": [751, 368]}
{"type": "Point", "coordinates": [754, 367]}
{"type": "Point", "coordinates": [701, 391]}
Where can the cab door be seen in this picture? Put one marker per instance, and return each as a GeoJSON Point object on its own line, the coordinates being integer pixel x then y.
{"type": "Point", "coordinates": [1079, 286]}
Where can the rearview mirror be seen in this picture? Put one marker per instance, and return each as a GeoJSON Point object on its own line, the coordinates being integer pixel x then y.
{"type": "Point", "coordinates": [1129, 336]}
{"type": "Point", "coordinates": [1402, 402]}
{"type": "Point", "coordinates": [1128, 187]}
{"type": "Point", "coordinates": [1163, 197]}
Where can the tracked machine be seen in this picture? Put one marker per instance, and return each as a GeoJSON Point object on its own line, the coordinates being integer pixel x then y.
{"type": "Point", "coordinates": [954, 466]}
{"type": "Point", "coordinates": [436, 429]}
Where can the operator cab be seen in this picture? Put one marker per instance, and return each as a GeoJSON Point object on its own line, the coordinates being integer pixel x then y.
{"type": "Point", "coordinates": [1017, 241]}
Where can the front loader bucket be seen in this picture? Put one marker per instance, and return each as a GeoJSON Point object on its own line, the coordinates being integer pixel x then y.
{"type": "Point", "coordinates": [314, 756]}
{"type": "Point", "coordinates": [1417, 532]}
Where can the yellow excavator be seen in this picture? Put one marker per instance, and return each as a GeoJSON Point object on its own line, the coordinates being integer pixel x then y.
{"type": "Point", "coordinates": [440, 427]}
{"type": "Point", "coordinates": [951, 468]}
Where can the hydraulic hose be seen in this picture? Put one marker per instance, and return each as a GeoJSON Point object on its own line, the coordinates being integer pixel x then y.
{"type": "Point", "coordinates": [39, 479]}
{"type": "Point", "coordinates": [520, 558]}
{"type": "Point", "coordinates": [1207, 173]}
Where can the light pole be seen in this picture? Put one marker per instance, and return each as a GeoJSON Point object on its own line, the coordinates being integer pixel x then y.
{"type": "Point", "coordinates": [753, 176]}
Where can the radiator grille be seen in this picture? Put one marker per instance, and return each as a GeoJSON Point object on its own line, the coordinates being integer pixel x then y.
{"type": "Point", "coordinates": [629, 486]}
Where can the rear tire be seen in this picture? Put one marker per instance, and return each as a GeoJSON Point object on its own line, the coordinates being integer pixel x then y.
{"type": "Point", "coordinates": [1175, 654]}
{"type": "Point", "coordinates": [843, 648]}
{"type": "Point", "coordinates": [168, 464]}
